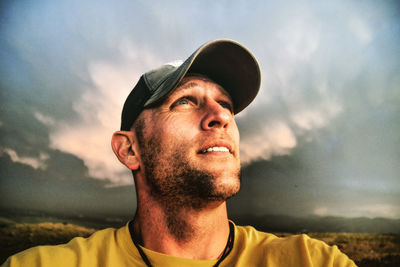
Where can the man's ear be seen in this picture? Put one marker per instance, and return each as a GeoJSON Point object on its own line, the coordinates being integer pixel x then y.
{"type": "Point", "coordinates": [122, 143]}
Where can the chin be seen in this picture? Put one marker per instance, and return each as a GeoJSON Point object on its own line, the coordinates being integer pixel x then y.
{"type": "Point", "coordinates": [227, 187]}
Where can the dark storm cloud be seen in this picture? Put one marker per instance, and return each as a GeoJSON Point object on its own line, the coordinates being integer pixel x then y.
{"type": "Point", "coordinates": [64, 187]}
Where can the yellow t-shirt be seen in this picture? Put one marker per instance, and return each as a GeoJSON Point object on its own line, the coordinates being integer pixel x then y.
{"type": "Point", "coordinates": [114, 247]}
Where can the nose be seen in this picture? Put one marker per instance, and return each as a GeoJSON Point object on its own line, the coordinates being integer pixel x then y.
{"type": "Point", "coordinates": [215, 116]}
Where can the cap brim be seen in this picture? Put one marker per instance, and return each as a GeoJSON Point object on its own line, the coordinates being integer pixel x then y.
{"type": "Point", "coordinates": [226, 62]}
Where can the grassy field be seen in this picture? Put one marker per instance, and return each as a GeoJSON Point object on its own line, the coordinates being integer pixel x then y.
{"type": "Point", "coordinates": [364, 249]}
{"type": "Point", "coordinates": [18, 237]}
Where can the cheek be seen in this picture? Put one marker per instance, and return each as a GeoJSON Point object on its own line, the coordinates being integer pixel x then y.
{"type": "Point", "coordinates": [171, 133]}
{"type": "Point", "coordinates": [180, 126]}
{"type": "Point", "coordinates": [236, 138]}
{"type": "Point", "coordinates": [236, 134]}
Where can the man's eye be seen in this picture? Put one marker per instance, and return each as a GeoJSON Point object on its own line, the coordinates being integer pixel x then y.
{"type": "Point", "coordinates": [181, 101]}
{"type": "Point", "coordinates": [226, 105]}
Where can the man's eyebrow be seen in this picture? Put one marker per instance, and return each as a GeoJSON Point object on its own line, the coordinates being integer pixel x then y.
{"type": "Point", "coordinates": [191, 84]}
{"type": "Point", "coordinates": [187, 85]}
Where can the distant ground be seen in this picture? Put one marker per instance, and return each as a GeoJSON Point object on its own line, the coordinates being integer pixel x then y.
{"type": "Point", "coordinates": [282, 223]}
{"type": "Point", "coordinates": [96, 221]}
{"type": "Point", "coordinates": [267, 223]}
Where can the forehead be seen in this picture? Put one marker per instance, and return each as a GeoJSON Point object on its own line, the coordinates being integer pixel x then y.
{"type": "Point", "coordinates": [194, 80]}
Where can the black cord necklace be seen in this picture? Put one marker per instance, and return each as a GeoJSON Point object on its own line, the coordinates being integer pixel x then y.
{"type": "Point", "coordinates": [225, 253]}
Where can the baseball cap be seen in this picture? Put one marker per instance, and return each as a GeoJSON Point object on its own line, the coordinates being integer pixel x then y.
{"type": "Point", "coordinates": [224, 61]}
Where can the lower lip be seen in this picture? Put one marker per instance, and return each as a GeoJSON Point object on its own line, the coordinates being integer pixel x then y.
{"type": "Point", "coordinates": [216, 153]}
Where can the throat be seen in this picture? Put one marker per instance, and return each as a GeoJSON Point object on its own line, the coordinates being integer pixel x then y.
{"type": "Point", "coordinates": [194, 253]}
{"type": "Point", "coordinates": [181, 230]}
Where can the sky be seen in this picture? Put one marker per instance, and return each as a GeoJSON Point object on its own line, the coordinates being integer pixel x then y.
{"type": "Point", "coordinates": [321, 138]}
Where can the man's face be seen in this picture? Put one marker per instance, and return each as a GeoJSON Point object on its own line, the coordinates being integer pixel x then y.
{"type": "Point", "coordinates": [189, 146]}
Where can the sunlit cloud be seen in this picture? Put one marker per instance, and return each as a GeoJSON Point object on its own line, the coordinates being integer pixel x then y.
{"type": "Point", "coordinates": [45, 119]}
{"type": "Point", "coordinates": [36, 163]}
{"type": "Point", "coordinates": [276, 138]}
{"type": "Point", "coordinates": [321, 211]}
{"type": "Point", "coordinates": [316, 117]}
{"type": "Point", "coordinates": [99, 109]}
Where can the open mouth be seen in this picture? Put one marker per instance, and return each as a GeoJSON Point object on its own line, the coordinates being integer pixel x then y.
{"type": "Point", "coordinates": [215, 148]}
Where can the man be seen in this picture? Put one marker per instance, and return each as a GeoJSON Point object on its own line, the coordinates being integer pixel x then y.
{"type": "Point", "coordinates": [179, 137]}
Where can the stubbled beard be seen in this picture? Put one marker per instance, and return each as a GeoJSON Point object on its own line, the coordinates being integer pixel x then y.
{"type": "Point", "coordinates": [177, 186]}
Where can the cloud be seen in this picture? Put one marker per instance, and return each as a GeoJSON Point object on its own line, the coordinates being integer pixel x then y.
{"type": "Point", "coordinates": [275, 138]}
{"type": "Point", "coordinates": [46, 120]}
{"type": "Point", "coordinates": [297, 97]}
{"type": "Point", "coordinates": [296, 107]}
{"type": "Point", "coordinates": [321, 211]}
{"type": "Point", "coordinates": [64, 188]}
{"type": "Point", "coordinates": [299, 41]}
{"type": "Point", "coordinates": [36, 163]}
{"type": "Point", "coordinates": [377, 210]}
{"type": "Point", "coordinates": [319, 116]}
{"type": "Point", "coordinates": [99, 110]}
{"type": "Point", "coordinates": [361, 30]}
{"type": "Point", "coordinates": [386, 210]}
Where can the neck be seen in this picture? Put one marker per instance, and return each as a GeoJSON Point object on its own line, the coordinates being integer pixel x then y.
{"type": "Point", "coordinates": [182, 232]}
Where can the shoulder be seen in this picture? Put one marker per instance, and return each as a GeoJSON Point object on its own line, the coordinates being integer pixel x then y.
{"type": "Point", "coordinates": [77, 250]}
{"type": "Point", "coordinates": [295, 250]}
{"type": "Point", "coordinates": [250, 235]}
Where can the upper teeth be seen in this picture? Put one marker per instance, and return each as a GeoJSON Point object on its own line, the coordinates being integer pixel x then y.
{"type": "Point", "coordinates": [216, 148]}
